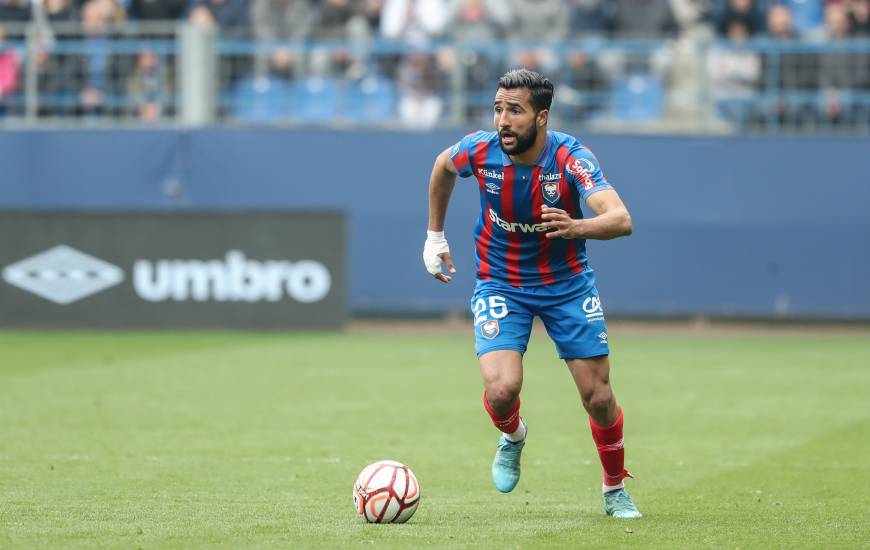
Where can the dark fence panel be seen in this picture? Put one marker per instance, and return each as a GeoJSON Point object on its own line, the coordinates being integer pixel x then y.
{"type": "Point", "coordinates": [182, 269]}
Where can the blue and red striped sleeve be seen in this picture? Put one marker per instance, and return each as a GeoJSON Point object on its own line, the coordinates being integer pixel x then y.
{"type": "Point", "coordinates": [583, 171]}
{"type": "Point", "coordinates": [462, 151]}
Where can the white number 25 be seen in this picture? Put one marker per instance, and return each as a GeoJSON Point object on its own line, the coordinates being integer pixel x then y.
{"type": "Point", "coordinates": [497, 309]}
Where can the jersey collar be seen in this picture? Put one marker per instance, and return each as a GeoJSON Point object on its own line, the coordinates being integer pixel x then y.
{"type": "Point", "coordinates": [542, 158]}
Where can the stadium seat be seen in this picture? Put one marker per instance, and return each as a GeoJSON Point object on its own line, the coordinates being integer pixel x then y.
{"type": "Point", "coordinates": [315, 100]}
{"type": "Point", "coordinates": [807, 16]}
{"type": "Point", "coordinates": [260, 99]}
{"type": "Point", "coordinates": [638, 98]}
{"type": "Point", "coordinates": [371, 99]}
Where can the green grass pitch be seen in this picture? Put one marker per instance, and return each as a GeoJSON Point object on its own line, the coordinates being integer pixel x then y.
{"type": "Point", "coordinates": [237, 440]}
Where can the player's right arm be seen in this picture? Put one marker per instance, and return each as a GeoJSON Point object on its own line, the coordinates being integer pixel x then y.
{"type": "Point", "coordinates": [441, 183]}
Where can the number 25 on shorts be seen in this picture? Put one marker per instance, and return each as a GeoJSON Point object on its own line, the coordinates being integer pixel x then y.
{"type": "Point", "coordinates": [494, 308]}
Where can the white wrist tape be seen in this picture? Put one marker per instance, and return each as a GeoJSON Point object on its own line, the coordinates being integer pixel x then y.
{"type": "Point", "coordinates": [435, 244]}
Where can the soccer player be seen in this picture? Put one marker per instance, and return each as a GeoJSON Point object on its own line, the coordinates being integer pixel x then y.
{"type": "Point", "coordinates": [530, 257]}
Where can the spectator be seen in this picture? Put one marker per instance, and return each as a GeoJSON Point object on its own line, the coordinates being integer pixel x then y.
{"type": "Point", "coordinates": [788, 71]}
{"type": "Point", "coordinates": [581, 87]}
{"type": "Point", "coordinates": [692, 17]}
{"type": "Point", "coordinates": [418, 80]}
{"type": "Point", "coordinates": [841, 73]}
{"type": "Point", "coordinates": [9, 72]}
{"type": "Point", "coordinates": [744, 12]}
{"type": "Point", "coordinates": [281, 21]}
{"type": "Point", "coordinates": [339, 20]}
{"type": "Point", "coordinates": [859, 17]}
{"type": "Point", "coordinates": [585, 18]}
{"type": "Point", "coordinates": [93, 70]}
{"type": "Point", "coordinates": [372, 14]}
{"type": "Point", "coordinates": [230, 16]}
{"type": "Point", "coordinates": [156, 10]}
{"type": "Point", "coordinates": [641, 19]}
{"type": "Point", "coordinates": [413, 21]}
{"type": "Point", "coordinates": [149, 88]}
{"type": "Point", "coordinates": [734, 74]}
{"type": "Point", "coordinates": [343, 21]}
{"type": "Point", "coordinates": [539, 19]}
{"type": "Point", "coordinates": [478, 20]}
{"type": "Point", "coordinates": [58, 11]}
{"type": "Point", "coordinates": [536, 19]}
{"type": "Point", "coordinates": [14, 11]}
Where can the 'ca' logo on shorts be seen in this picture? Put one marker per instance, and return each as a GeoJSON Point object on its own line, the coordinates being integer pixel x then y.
{"type": "Point", "coordinates": [592, 309]}
{"type": "Point", "coordinates": [489, 329]}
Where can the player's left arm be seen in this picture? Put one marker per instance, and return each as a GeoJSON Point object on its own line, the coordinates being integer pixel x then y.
{"type": "Point", "coordinates": [611, 219]}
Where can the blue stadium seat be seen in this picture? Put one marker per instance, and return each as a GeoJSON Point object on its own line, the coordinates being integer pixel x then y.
{"type": "Point", "coordinates": [638, 98]}
{"type": "Point", "coordinates": [260, 99]}
{"type": "Point", "coordinates": [371, 99]}
{"type": "Point", "coordinates": [316, 99]}
{"type": "Point", "coordinates": [807, 15]}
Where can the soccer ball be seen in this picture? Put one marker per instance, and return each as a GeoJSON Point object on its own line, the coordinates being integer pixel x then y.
{"type": "Point", "coordinates": [386, 492]}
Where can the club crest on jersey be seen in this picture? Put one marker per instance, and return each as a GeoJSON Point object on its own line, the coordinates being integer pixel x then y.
{"type": "Point", "coordinates": [489, 329]}
{"type": "Point", "coordinates": [550, 191]}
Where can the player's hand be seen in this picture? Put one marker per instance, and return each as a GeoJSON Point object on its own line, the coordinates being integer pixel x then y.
{"type": "Point", "coordinates": [558, 223]}
{"type": "Point", "coordinates": [435, 251]}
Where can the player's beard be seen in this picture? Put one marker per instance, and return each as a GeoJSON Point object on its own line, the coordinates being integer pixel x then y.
{"type": "Point", "coordinates": [523, 142]}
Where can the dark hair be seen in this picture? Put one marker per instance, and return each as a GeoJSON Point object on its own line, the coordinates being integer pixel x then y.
{"type": "Point", "coordinates": [540, 88]}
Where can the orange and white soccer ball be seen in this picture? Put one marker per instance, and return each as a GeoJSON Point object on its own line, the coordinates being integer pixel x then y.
{"type": "Point", "coordinates": [386, 492]}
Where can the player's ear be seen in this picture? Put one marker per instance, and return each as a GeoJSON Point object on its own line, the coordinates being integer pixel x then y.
{"type": "Point", "coordinates": [542, 117]}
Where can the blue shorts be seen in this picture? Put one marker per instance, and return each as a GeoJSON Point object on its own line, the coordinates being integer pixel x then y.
{"type": "Point", "coordinates": [571, 311]}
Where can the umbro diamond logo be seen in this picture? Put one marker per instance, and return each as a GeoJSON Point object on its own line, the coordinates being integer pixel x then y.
{"type": "Point", "coordinates": [63, 275]}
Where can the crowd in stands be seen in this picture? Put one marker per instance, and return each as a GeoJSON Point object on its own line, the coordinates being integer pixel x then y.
{"type": "Point", "coordinates": [421, 76]}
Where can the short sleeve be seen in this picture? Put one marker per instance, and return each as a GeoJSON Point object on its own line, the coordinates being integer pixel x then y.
{"type": "Point", "coordinates": [460, 154]}
{"type": "Point", "coordinates": [584, 172]}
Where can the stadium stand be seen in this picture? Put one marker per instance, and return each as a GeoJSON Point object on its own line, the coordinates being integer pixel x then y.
{"type": "Point", "coordinates": [715, 66]}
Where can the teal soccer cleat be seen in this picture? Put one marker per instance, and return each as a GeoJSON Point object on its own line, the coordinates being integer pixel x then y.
{"type": "Point", "coordinates": [506, 466]}
{"type": "Point", "coordinates": [618, 504]}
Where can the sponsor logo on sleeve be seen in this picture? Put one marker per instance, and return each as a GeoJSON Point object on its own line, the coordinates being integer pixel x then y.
{"type": "Point", "coordinates": [454, 149]}
{"type": "Point", "coordinates": [582, 169]}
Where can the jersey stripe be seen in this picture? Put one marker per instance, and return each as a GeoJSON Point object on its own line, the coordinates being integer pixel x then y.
{"type": "Point", "coordinates": [566, 191]}
{"type": "Point", "coordinates": [512, 254]}
{"type": "Point", "coordinates": [485, 238]}
{"type": "Point", "coordinates": [544, 243]}
{"type": "Point", "coordinates": [461, 160]}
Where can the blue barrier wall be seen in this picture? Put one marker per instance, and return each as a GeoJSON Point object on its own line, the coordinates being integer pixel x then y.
{"type": "Point", "coordinates": [723, 226]}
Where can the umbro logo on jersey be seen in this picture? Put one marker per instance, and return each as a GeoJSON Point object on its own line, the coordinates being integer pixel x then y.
{"type": "Point", "coordinates": [492, 188]}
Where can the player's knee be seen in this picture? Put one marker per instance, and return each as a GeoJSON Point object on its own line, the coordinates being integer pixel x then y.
{"type": "Point", "coordinates": [501, 397]}
{"type": "Point", "coordinates": [598, 400]}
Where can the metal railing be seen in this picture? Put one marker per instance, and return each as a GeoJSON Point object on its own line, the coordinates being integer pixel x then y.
{"type": "Point", "coordinates": [179, 74]}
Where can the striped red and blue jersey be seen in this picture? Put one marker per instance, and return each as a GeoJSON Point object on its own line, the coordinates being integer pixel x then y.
{"type": "Point", "coordinates": [510, 241]}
